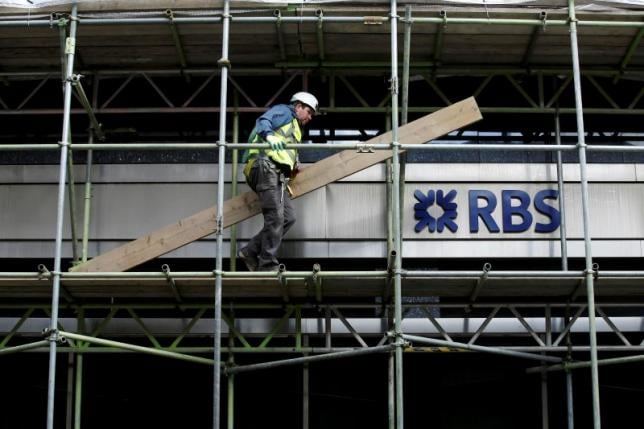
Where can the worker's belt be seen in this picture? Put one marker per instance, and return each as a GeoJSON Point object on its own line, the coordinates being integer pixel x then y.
{"type": "Point", "coordinates": [282, 168]}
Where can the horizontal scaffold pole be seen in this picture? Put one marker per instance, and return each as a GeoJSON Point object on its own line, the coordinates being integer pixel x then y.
{"type": "Point", "coordinates": [135, 348]}
{"type": "Point", "coordinates": [247, 205]}
{"type": "Point", "coordinates": [24, 347]}
{"type": "Point", "coordinates": [382, 274]}
{"type": "Point", "coordinates": [305, 350]}
{"type": "Point", "coordinates": [313, 19]}
{"type": "Point", "coordinates": [309, 359]}
{"type": "Point", "coordinates": [317, 146]}
{"type": "Point", "coordinates": [473, 347]}
{"type": "Point", "coordinates": [576, 365]}
{"type": "Point", "coordinates": [343, 110]}
{"type": "Point", "coordinates": [277, 70]}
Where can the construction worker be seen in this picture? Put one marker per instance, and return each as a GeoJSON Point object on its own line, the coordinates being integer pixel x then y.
{"type": "Point", "coordinates": [268, 171]}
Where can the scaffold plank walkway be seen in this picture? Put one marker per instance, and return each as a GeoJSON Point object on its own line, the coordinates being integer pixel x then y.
{"type": "Point", "coordinates": [557, 288]}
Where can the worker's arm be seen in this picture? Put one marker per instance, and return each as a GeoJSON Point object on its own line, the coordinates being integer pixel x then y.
{"type": "Point", "coordinates": [273, 119]}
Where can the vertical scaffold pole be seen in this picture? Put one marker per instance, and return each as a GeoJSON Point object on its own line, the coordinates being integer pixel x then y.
{"type": "Point", "coordinates": [62, 24]}
{"type": "Point", "coordinates": [391, 379]}
{"type": "Point", "coordinates": [70, 391]}
{"type": "Point", "coordinates": [405, 110]}
{"type": "Point", "coordinates": [231, 377]}
{"type": "Point", "coordinates": [78, 385]}
{"type": "Point", "coordinates": [590, 289]}
{"type": "Point", "coordinates": [563, 240]}
{"type": "Point", "coordinates": [70, 44]}
{"type": "Point", "coordinates": [544, 400]}
{"type": "Point", "coordinates": [395, 203]}
{"type": "Point", "coordinates": [406, 56]}
{"type": "Point", "coordinates": [87, 207]}
{"type": "Point", "coordinates": [224, 63]}
{"type": "Point", "coordinates": [234, 172]}
{"type": "Point", "coordinates": [569, 401]}
{"type": "Point", "coordinates": [564, 255]}
{"type": "Point", "coordinates": [306, 392]}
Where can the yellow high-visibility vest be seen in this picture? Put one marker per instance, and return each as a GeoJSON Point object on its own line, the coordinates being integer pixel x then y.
{"type": "Point", "coordinates": [290, 133]}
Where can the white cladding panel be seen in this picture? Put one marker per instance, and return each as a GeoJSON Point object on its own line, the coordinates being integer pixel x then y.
{"type": "Point", "coordinates": [345, 219]}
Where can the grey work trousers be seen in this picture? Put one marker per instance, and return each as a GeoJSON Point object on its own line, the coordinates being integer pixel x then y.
{"type": "Point", "coordinates": [279, 215]}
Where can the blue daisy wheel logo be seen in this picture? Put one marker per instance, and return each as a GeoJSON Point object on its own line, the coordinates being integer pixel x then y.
{"type": "Point", "coordinates": [445, 202]}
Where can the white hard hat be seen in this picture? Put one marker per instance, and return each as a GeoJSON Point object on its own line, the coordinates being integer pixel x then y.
{"type": "Point", "coordinates": [306, 98]}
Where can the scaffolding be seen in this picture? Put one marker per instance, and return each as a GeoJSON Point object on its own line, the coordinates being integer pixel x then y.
{"type": "Point", "coordinates": [546, 350]}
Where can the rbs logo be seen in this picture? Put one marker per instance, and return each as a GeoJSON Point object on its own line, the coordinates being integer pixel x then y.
{"type": "Point", "coordinates": [515, 210]}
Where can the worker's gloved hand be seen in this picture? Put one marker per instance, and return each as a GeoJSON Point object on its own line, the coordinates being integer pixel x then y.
{"type": "Point", "coordinates": [275, 142]}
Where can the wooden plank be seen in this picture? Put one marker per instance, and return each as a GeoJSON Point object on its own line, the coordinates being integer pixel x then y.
{"type": "Point", "coordinates": [244, 206]}
{"type": "Point", "coordinates": [420, 131]}
{"type": "Point", "coordinates": [173, 236]}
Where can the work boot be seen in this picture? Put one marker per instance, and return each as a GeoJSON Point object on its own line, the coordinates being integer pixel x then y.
{"type": "Point", "coordinates": [249, 260]}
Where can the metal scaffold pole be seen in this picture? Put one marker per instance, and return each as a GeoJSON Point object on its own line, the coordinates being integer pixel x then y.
{"type": "Point", "coordinates": [570, 411]}
{"type": "Point", "coordinates": [234, 183]}
{"type": "Point", "coordinates": [78, 385]}
{"type": "Point", "coordinates": [317, 19]}
{"type": "Point", "coordinates": [231, 378]}
{"type": "Point", "coordinates": [334, 147]}
{"type": "Point", "coordinates": [562, 205]}
{"type": "Point", "coordinates": [306, 391]}
{"type": "Point", "coordinates": [70, 44]}
{"type": "Point", "coordinates": [224, 63]}
{"type": "Point", "coordinates": [87, 206]}
{"type": "Point", "coordinates": [544, 401]}
{"type": "Point", "coordinates": [564, 256]}
{"type": "Point", "coordinates": [589, 273]}
{"type": "Point", "coordinates": [395, 208]}
{"type": "Point", "coordinates": [62, 24]}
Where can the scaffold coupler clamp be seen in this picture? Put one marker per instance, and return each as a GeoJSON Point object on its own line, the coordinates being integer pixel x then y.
{"type": "Point", "coordinates": [75, 79]}
{"type": "Point", "coordinates": [281, 268]}
{"type": "Point", "coordinates": [43, 272]}
{"type": "Point", "coordinates": [53, 336]}
{"type": "Point", "coordinates": [443, 14]}
{"type": "Point", "coordinates": [543, 16]}
{"type": "Point", "coordinates": [364, 148]}
{"type": "Point", "coordinates": [487, 267]}
{"type": "Point", "coordinates": [219, 224]}
{"type": "Point", "coordinates": [594, 271]}
{"type": "Point", "coordinates": [393, 86]}
{"type": "Point", "coordinates": [398, 339]}
{"type": "Point", "coordinates": [226, 366]}
{"type": "Point", "coordinates": [406, 20]}
{"type": "Point", "coordinates": [59, 18]}
{"type": "Point", "coordinates": [317, 283]}
{"type": "Point", "coordinates": [223, 63]}
{"type": "Point", "coordinates": [399, 271]}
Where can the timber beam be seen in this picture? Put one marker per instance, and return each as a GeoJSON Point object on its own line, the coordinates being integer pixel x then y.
{"type": "Point", "coordinates": [244, 206]}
